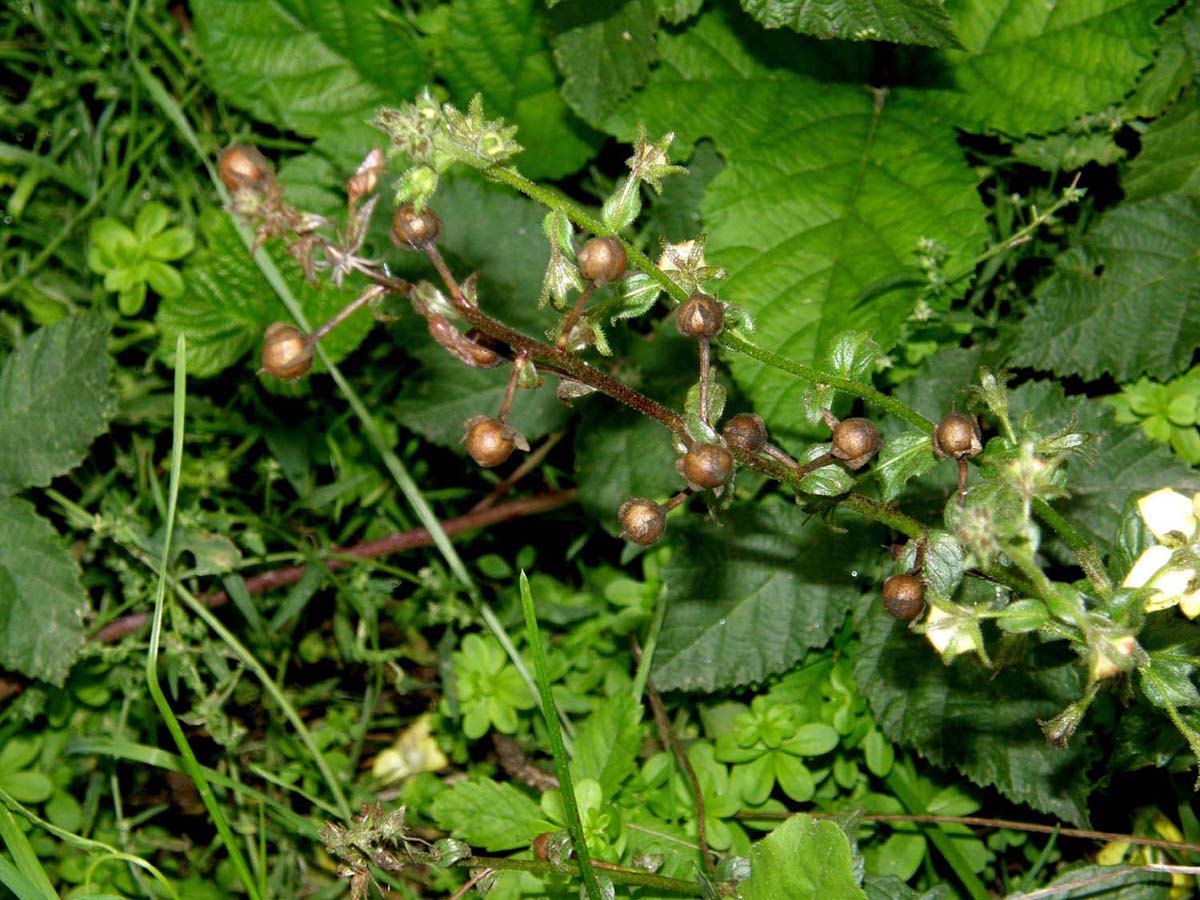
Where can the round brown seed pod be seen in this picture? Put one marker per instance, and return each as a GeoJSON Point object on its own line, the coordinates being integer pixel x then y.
{"type": "Point", "coordinates": [855, 441]}
{"type": "Point", "coordinates": [904, 597]}
{"type": "Point", "coordinates": [642, 521]}
{"type": "Point", "coordinates": [489, 441]}
{"type": "Point", "coordinates": [602, 259]}
{"type": "Point", "coordinates": [700, 316]}
{"type": "Point", "coordinates": [413, 229]}
{"type": "Point", "coordinates": [707, 465]}
{"type": "Point", "coordinates": [746, 432]}
{"type": "Point", "coordinates": [957, 435]}
{"type": "Point", "coordinates": [242, 167]}
{"type": "Point", "coordinates": [287, 351]}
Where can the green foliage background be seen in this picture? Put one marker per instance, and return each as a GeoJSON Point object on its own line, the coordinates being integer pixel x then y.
{"type": "Point", "coordinates": [874, 165]}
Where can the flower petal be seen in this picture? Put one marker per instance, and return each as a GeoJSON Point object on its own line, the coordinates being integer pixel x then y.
{"type": "Point", "coordinates": [1167, 511]}
{"type": "Point", "coordinates": [1189, 604]}
{"type": "Point", "coordinates": [1147, 566]}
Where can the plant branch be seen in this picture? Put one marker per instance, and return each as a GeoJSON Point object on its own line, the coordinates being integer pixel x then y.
{"type": "Point", "coordinates": [1011, 824]}
{"type": "Point", "coordinates": [617, 874]}
{"type": "Point", "coordinates": [667, 734]}
{"type": "Point", "coordinates": [340, 557]}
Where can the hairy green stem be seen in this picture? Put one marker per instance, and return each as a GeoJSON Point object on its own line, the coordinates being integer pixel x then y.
{"type": "Point", "coordinates": [616, 874]}
{"type": "Point", "coordinates": [207, 796]}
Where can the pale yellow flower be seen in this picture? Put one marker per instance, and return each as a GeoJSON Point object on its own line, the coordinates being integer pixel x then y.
{"type": "Point", "coordinates": [415, 751]}
{"type": "Point", "coordinates": [953, 630]}
{"type": "Point", "coordinates": [1174, 520]}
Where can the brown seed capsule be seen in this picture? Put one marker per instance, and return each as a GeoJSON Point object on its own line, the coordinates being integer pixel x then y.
{"type": "Point", "coordinates": [746, 432]}
{"type": "Point", "coordinates": [642, 521]}
{"type": "Point", "coordinates": [287, 351]}
{"type": "Point", "coordinates": [243, 168]}
{"type": "Point", "coordinates": [707, 465]}
{"type": "Point", "coordinates": [904, 597]}
{"type": "Point", "coordinates": [957, 435]}
{"type": "Point", "coordinates": [602, 259]}
{"type": "Point", "coordinates": [414, 230]}
{"type": "Point", "coordinates": [700, 316]}
{"type": "Point", "coordinates": [489, 441]}
{"type": "Point", "coordinates": [855, 441]}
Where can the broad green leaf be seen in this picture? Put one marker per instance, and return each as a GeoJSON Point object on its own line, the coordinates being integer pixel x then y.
{"type": "Point", "coordinates": [896, 21]}
{"type": "Point", "coordinates": [1175, 67]}
{"type": "Point", "coordinates": [1033, 67]}
{"type": "Point", "coordinates": [1170, 159]}
{"type": "Point", "coordinates": [1126, 301]}
{"type": "Point", "coordinates": [55, 400]}
{"type": "Point", "coordinates": [227, 304]}
{"type": "Point", "coordinates": [984, 723]}
{"type": "Point", "coordinates": [850, 354]}
{"type": "Point", "coordinates": [889, 887]}
{"type": "Point", "coordinates": [828, 190]}
{"type": "Point", "coordinates": [1168, 683]}
{"type": "Point", "coordinates": [604, 51]}
{"type": "Point", "coordinates": [608, 743]}
{"type": "Point", "coordinates": [749, 595]}
{"type": "Point", "coordinates": [1068, 151]}
{"type": "Point", "coordinates": [41, 601]}
{"type": "Point", "coordinates": [490, 815]}
{"type": "Point", "coordinates": [27, 786]}
{"type": "Point", "coordinates": [1111, 883]}
{"type": "Point", "coordinates": [901, 458]}
{"type": "Point", "coordinates": [620, 454]}
{"type": "Point", "coordinates": [318, 67]}
{"type": "Point", "coordinates": [498, 48]}
{"type": "Point", "coordinates": [802, 858]}
{"type": "Point", "coordinates": [443, 393]}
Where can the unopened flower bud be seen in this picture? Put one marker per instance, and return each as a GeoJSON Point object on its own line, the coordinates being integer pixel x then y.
{"type": "Point", "coordinates": [489, 441]}
{"type": "Point", "coordinates": [904, 597]}
{"type": "Point", "coordinates": [957, 435]}
{"type": "Point", "coordinates": [855, 441]}
{"type": "Point", "coordinates": [707, 466]}
{"type": "Point", "coordinates": [242, 167]}
{"type": "Point", "coordinates": [414, 230]}
{"type": "Point", "coordinates": [287, 351]}
{"type": "Point", "coordinates": [602, 259]}
{"type": "Point", "coordinates": [746, 432]}
{"type": "Point", "coordinates": [642, 521]}
{"type": "Point", "coordinates": [700, 316]}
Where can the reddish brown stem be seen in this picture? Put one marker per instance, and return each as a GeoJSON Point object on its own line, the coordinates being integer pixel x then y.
{"type": "Point", "coordinates": [667, 734]}
{"type": "Point", "coordinates": [393, 543]}
{"type": "Point", "coordinates": [823, 460]}
{"type": "Point", "coordinates": [678, 500]}
{"type": "Point", "coordinates": [962, 481]}
{"type": "Point", "coordinates": [573, 316]}
{"type": "Point", "coordinates": [528, 464]}
{"type": "Point", "coordinates": [704, 373]}
{"type": "Point", "coordinates": [983, 822]}
{"type": "Point", "coordinates": [510, 389]}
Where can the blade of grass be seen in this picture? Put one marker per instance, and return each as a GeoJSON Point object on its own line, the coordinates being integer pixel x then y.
{"type": "Point", "coordinates": [26, 870]}
{"type": "Point", "coordinates": [562, 766]}
{"type": "Point", "coordinates": [134, 548]}
{"type": "Point", "coordinates": [897, 782]}
{"type": "Point", "coordinates": [86, 844]}
{"type": "Point", "coordinates": [651, 642]}
{"type": "Point", "coordinates": [161, 759]}
{"type": "Point", "coordinates": [185, 750]}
